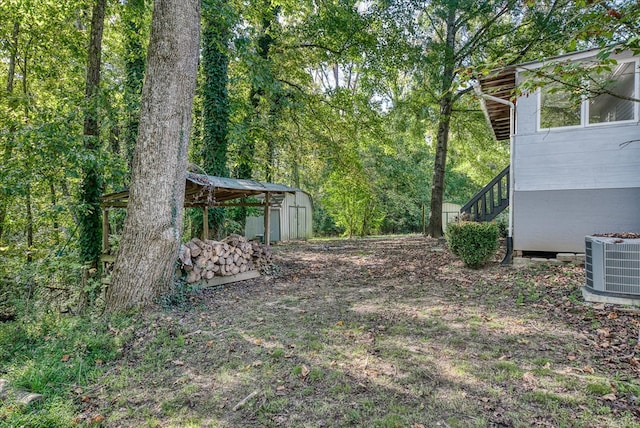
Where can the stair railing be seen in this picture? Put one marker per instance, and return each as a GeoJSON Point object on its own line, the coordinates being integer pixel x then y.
{"type": "Point", "coordinates": [491, 200]}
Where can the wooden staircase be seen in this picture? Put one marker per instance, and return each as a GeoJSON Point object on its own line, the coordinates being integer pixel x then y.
{"type": "Point", "coordinates": [491, 200]}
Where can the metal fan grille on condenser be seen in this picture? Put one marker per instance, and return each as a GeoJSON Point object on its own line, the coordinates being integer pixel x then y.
{"type": "Point", "coordinates": [613, 265]}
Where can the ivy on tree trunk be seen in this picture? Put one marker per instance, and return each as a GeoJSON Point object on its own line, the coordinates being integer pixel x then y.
{"type": "Point", "coordinates": [134, 68]}
{"type": "Point", "coordinates": [91, 185]}
{"type": "Point", "coordinates": [215, 59]}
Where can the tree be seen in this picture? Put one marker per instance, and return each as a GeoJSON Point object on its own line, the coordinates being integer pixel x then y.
{"type": "Point", "coordinates": [145, 261]}
{"type": "Point", "coordinates": [91, 187]}
{"type": "Point", "coordinates": [8, 147]}
{"type": "Point", "coordinates": [462, 35]}
{"type": "Point", "coordinates": [262, 81]}
{"type": "Point", "coordinates": [133, 16]}
{"type": "Point", "coordinates": [216, 33]}
{"type": "Point", "coordinates": [612, 28]}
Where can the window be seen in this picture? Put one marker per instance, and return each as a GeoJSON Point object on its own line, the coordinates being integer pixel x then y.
{"type": "Point", "coordinates": [618, 89]}
{"type": "Point", "coordinates": [558, 108]}
{"type": "Point", "coordinates": [612, 106]}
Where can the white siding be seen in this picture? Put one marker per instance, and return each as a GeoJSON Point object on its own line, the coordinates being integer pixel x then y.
{"type": "Point", "coordinates": [558, 221]}
{"type": "Point", "coordinates": [296, 219]}
{"type": "Point", "coordinates": [572, 182]}
{"type": "Point", "coordinates": [594, 157]}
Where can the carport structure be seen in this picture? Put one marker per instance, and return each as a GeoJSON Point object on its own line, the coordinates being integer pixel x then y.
{"type": "Point", "coordinates": [207, 191]}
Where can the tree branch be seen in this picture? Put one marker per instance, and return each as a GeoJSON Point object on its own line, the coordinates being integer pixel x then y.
{"type": "Point", "coordinates": [477, 37]}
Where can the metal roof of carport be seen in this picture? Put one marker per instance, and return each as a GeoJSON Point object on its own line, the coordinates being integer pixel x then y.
{"type": "Point", "coordinates": [208, 190]}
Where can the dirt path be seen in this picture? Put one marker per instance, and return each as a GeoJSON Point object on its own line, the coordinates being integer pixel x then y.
{"type": "Point", "coordinates": [390, 332]}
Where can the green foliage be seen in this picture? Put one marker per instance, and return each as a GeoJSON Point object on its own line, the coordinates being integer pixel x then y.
{"type": "Point", "coordinates": [475, 243]}
{"type": "Point", "coordinates": [324, 224]}
{"type": "Point", "coordinates": [502, 221]}
{"type": "Point", "coordinates": [179, 296]}
{"type": "Point", "coordinates": [89, 214]}
{"type": "Point", "coordinates": [217, 22]}
{"type": "Point", "coordinates": [352, 202]}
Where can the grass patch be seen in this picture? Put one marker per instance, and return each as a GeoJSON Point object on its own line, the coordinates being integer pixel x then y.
{"type": "Point", "coordinates": [446, 348]}
{"type": "Point", "coordinates": [56, 356]}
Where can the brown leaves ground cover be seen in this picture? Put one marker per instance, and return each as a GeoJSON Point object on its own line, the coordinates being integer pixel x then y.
{"type": "Point", "coordinates": [386, 332]}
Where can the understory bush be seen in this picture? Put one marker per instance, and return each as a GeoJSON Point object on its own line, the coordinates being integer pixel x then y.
{"type": "Point", "coordinates": [475, 243]}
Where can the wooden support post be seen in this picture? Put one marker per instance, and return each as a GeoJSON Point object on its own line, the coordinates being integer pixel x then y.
{"type": "Point", "coordinates": [205, 223]}
{"type": "Point", "coordinates": [105, 231]}
{"type": "Point", "coordinates": [267, 219]}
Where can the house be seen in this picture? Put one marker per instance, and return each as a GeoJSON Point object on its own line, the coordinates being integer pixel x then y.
{"type": "Point", "coordinates": [291, 219]}
{"type": "Point", "coordinates": [575, 162]}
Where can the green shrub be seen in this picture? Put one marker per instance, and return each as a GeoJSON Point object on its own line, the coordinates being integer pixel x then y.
{"type": "Point", "coordinates": [474, 243]}
{"type": "Point", "coordinates": [502, 221]}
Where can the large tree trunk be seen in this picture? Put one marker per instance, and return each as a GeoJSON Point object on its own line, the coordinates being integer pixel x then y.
{"type": "Point", "coordinates": [437, 188]}
{"type": "Point", "coordinates": [146, 259]}
{"type": "Point", "coordinates": [434, 228]}
{"type": "Point", "coordinates": [91, 186]}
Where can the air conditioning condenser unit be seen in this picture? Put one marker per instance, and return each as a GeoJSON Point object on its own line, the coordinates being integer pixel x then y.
{"type": "Point", "coordinates": [612, 267]}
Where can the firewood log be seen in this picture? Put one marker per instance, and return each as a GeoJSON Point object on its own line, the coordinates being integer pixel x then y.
{"type": "Point", "coordinates": [193, 277]}
{"type": "Point", "coordinates": [201, 262]}
{"type": "Point", "coordinates": [185, 256]}
{"type": "Point", "coordinates": [219, 249]}
{"type": "Point", "coordinates": [195, 249]}
{"type": "Point", "coordinates": [198, 242]}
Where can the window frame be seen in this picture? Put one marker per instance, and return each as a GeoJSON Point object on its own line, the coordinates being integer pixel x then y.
{"type": "Point", "coordinates": [584, 106]}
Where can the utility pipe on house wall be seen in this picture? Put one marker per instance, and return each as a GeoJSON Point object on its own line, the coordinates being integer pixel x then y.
{"type": "Point", "coordinates": [512, 127]}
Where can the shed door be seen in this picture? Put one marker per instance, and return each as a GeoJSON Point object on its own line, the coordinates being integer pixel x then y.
{"type": "Point", "coordinates": [297, 222]}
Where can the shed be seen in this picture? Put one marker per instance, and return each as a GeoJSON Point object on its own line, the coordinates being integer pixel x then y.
{"type": "Point", "coordinates": [450, 213]}
{"type": "Point", "coordinates": [291, 220]}
{"type": "Point", "coordinates": [574, 165]}
{"type": "Point", "coordinates": [207, 191]}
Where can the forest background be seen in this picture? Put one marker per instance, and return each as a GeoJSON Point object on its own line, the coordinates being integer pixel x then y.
{"type": "Point", "coordinates": [347, 100]}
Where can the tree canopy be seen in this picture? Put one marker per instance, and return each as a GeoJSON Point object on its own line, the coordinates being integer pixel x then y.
{"type": "Point", "coordinates": [365, 105]}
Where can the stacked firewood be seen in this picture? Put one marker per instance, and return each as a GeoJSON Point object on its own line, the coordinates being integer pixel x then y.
{"type": "Point", "coordinates": [206, 259]}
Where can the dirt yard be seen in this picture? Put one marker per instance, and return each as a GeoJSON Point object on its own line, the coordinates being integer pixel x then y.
{"type": "Point", "coordinates": [389, 332]}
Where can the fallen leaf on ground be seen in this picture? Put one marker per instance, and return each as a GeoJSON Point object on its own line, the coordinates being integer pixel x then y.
{"type": "Point", "coordinates": [97, 419]}
{"type": "Point", "coordinates": [529, 378]}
